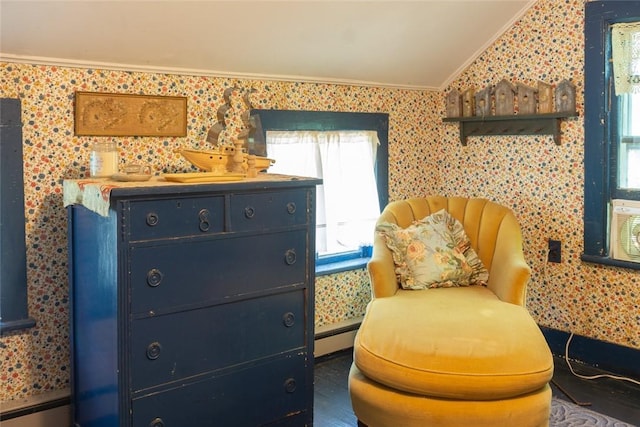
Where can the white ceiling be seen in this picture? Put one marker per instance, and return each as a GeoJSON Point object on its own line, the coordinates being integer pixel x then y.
{"type": "Point", "coordinates": [407, 44]}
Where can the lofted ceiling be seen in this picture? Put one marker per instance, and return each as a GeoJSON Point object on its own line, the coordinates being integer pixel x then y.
{"type": "Point", "coordinates": [395, 43]}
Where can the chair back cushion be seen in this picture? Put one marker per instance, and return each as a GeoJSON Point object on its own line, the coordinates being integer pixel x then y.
{"type": "Point", "coordinates": [492, 229]}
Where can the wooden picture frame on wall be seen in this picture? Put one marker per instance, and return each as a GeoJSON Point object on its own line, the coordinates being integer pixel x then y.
{"type": "Point", "coordinates": [113, 114]}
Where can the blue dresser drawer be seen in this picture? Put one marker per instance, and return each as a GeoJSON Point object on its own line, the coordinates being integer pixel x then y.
{"type": "Point", "coordinates": [172, 347]}
{"type": "Point", "coordinates": [171, 218]}
{"type": "Point", "coordinates": [207, 271]}
{"type": "Point", "coordinates": [256, 396]}
{"type": "Point", "coordinates": [258, 211]}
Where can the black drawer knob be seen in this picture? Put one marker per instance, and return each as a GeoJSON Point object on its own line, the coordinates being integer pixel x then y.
{"type": "Point", "coordinates": [154, 277]}
{"type": "Point", "coordinates": [290, 257]}
{"type": "Point", "coordinates": [203, 216]}
{"type": "Point", "coordinates": [157, 422]}
{"type": "Point", "coordinates": [290, 385]}
{"type": "Point", "coordinates": [291, 208]}
{"type": "Point", "coordinates": [152, 219]}
{"type": "Point", "coordinates": [153, 350]}
{"type": "Point", "coordinates": [249, 212]}
{"type": "Point", "coordinates": [289, 319]}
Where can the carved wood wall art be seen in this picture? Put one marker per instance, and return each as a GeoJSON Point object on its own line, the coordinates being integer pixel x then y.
{"type": "Point", "coordinates": [112, 114]}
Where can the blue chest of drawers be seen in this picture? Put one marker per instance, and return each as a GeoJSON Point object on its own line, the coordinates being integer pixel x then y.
{"type": "Point", "coordinates": [192, 305]}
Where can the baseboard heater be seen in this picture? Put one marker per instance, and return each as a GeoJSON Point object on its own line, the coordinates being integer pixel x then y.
{"type": "Point", "coordinates": [336, 337]}
{"type": "Point", "coordinates": [56, 402]}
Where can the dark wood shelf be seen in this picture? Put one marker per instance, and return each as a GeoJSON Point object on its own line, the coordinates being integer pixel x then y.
{"type": "Point", "coordinates": [532, 124]}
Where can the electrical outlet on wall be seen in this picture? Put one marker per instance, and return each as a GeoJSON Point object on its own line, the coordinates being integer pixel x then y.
{"type": "Point", "coordinates": [555, 251]}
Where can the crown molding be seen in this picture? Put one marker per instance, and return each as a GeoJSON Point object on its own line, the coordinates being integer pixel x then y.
{"type": "Point", "coordinates": [71, 63]}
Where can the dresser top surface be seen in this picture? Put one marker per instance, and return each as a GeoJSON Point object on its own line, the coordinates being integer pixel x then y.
{"type": "Point", "coordinates": [96, 193]}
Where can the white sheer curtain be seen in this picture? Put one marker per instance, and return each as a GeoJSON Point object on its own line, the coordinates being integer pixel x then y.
{"type": "Point", "coordinates": [347, 201]}
{"type": "Point", "coordinates": [625, 54]}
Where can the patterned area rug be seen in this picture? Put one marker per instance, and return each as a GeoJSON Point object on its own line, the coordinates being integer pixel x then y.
{"type": "Point", "coordinates": [566, 414]}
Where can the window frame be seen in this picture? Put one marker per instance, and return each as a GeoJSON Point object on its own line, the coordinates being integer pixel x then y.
{"type": "Point", "coordinates": [302, 120]}
{"type": "Point", "coordinates": [14, 306]}
{"type": "Point", "coordinates": [600, 127]}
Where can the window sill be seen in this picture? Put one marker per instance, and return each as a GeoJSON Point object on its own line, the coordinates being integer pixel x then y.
{"type": "Point", "coordinates": [596, 259]}
{"type": "Point", "coordinates": [16, 325]}
{"type": "Point", "coordinates": [340, 266]}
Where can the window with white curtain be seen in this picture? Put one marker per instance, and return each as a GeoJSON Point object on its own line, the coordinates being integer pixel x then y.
{"type": "Point", "coordinates": [347, 203]}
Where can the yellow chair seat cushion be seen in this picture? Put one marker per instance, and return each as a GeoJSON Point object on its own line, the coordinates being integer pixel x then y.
{"type": "Point", "coordinates": [458, 343]}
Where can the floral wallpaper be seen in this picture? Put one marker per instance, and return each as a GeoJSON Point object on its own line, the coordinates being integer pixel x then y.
{"type": "Point", "coordinates": [543, 182]}
{"type": "Point", "coordinates": [37, 360]}
{"type": "Point", "coordinates": [540, 181]}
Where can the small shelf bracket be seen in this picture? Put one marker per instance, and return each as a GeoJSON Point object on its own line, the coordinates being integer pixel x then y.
{"type": "Point", "coordinates": [534, 124]}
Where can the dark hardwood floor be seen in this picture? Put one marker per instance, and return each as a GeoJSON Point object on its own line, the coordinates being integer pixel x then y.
{"type": "Point", "coordinates": [618, 399]}
{"type": "Point", "coordinates": [332, 405]}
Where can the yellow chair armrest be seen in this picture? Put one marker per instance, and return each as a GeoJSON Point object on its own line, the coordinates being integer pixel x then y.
{"type": "Point", "coordinates": [384, 282]}
{"type": "Point", "coordinates": [509, 279]}
{"type": "Point", "coordinates": [509, 275]}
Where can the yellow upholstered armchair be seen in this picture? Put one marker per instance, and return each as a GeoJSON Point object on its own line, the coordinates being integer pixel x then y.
{"type": "Point", "coordinates": [467, 356]}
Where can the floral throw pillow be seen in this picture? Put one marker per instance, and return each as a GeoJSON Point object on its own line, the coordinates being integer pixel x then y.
{"type": "Point", "coordinates": [434, 252]}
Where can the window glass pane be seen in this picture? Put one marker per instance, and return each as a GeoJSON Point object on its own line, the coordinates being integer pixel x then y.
{"type": "Point", "coordinates": [633, 174]}
{"type": "Point", "coordinates": [625, 58]}
{"type": "Point", "coordinates": [628, 144]}
{"type": "Point", "coordinates": [633, 115]}
{"type": "Point", "coordinates": [347, 201]}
